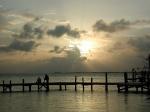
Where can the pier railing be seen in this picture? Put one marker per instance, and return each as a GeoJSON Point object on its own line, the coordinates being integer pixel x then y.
{"type": "Point", "coordinates": [129, 80]}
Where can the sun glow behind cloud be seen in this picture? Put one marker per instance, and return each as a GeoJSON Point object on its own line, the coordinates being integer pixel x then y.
{"type": "Point", "coordinates": [85, 46]}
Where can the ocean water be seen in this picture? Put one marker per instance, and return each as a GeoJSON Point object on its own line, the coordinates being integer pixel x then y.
{"type": "Point", "coordinates": [71, 101]}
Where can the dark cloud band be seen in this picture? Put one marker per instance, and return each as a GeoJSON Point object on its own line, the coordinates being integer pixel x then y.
{"type": "Point", "coordinates": [60, 30]}
{"type": "Point", "coordinates": [114, 26]}
{"type": "Point", "coordinates": [18, 45]}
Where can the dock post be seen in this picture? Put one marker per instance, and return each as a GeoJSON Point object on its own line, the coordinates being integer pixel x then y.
{"type": "Point", "coordinates": [142, 81]}
{"type": "Point", "coordinates": [148, 82]}
{"type": "Point", "coordinates": [83, 83]}
{"type": "Point", "coordinates": [3, 86]}
{"type": "Point", "coordinates": [91, 84]}
{"type": "Point", "coordinates": [23, 85]}
{"type": "Point", "coordinates": [29, 88]}
{"type": "Point", "coordinates": [47, 85]}
{"type": "Point", "coordinates": [137, 89]}
{"type": "Point", "coordinates": [38, 86]}
{"type": "Point", "coordinates": [60, 87]}
{"type": "Point", "coordinates": [106, 82]}
{"type": "Point", "coordinates": [118, 86]}
{"type": "Point", "coordinates": [65, 87]}
{"type": "Point", "coordinates": [133, 75]}
{"type": "Point", "coordinates": [10, 86]}
{"type": "Point", "coordinates": [126, 81]}
{"type": "Point", "coordinates": [75, 83]}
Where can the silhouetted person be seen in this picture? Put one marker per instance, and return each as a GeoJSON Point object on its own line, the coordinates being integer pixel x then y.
{"type": "Point", "coordinates": [46, 78]}
{"type": "Point", "coordinates": [133, 74]}
{"type": "Point", "coordinates": [38, 80]}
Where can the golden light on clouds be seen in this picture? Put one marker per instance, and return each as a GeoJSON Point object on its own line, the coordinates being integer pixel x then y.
{"type": "Point", "coordinates": [86, 46]}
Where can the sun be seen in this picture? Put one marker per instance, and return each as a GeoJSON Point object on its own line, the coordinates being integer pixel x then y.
{"type": "Point", "coordinates": [85, 47]}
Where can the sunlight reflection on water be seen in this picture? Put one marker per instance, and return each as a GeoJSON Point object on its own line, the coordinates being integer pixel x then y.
{"type": "Point", "coordinates": [70, 101]}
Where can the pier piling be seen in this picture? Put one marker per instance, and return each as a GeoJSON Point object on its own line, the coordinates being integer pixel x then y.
{"type": "Point", "coordinates": [65, 87]}
{"type": "Point", "coordinates": [75, 83]}
{"type": "Point", "coordinates": [29, 87]}
{"type": "Point", "coordinates": [3, 86]}
{"type": "Point", "coordinates": [137, 89]}
{"type": "Point", "coordinates": [83, 83]}
{"type": "Point", "coordinates": [23, 85]}
{"type": "Point", "coordinates": [47, 87]}
{"type": "Point", "coordinates": [142, 81]}
{"type": "Point", "coordinates": [118, 88]}
{"type": "Point", "coordinates": [126, 81]}
{"type": "Point", "coordinates": [148, 82]}
{"type": "Point", "coordinates": [91, 84]}
{"type": "Point", "coordinates": [60, 87]}
{"type": "Point", "coordinates": [38, 87]}
{"type": "Point", "coordinates": [106, 82]}
{"type": "Point", "coordinates": [10, 86]}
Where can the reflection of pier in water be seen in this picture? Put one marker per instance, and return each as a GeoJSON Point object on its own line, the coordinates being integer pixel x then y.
{"type": "Point", "coordinates": [131, 80]}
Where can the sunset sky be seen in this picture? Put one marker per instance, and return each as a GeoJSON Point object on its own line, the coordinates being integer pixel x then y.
{"type": "Point", "coordinates": [73, 35]}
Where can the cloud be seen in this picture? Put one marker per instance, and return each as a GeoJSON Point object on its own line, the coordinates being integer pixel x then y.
{"type": "Point", "coordinates": [72, 54]}
{"type": "Point", "coordinates": [117, 47]}
{"type": "Point", "coordinates": [24, 40]}
{"type": "Point", "coordinates": [144, 21]}
{"type": "Point", "coordinates": [23, 46]}
{"type": "Point", "coordinates": [5, 49]}
{"type": "Point", "coordinates": [3, 19]}
{"type": "Point", "coordinates": [60, 30]}
{"type": "Point", "coordinates": [29, 15]}
{"type": "Point", "coordinates": [57, 49]}
{"type": "Point", "coordinates": [141, 44]}
{"type": "Point", "coordinates": [75, 55]}
{"type": "Point", "coordinates": [3, 22]}
{"type": "Point", "coordinates": [18, 45]}
{"type": "Point", "coordinates": [114, 26]}
{"type": "Point", "coordinates": [29, 31]}
{"type": "Point", "coordinates": [74, 33]}
{"type": "Point", "coordinates": [72, 61]}
{"type": "Point", "coordinates": [117, 25]}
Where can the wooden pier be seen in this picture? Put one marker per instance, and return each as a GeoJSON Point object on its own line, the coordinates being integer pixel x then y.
{"type": "Point", "coordinates": [142, 81]}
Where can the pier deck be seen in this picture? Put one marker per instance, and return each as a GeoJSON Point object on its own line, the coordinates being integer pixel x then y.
{"type": "Point", "coordinates": [142, 82]}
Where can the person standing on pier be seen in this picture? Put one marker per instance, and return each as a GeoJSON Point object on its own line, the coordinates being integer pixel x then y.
{"type": "Point", "coordinates": [46, 78]}
{"type": "Point", "coordinates": [38, 80]}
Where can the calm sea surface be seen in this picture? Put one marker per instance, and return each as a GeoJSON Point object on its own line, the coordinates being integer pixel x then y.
{"type": "Point", "coordinates": [71, 101]}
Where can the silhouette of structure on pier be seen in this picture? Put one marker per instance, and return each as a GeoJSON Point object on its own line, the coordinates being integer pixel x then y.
{"type": "Point", "coordinates": [138, 80]}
